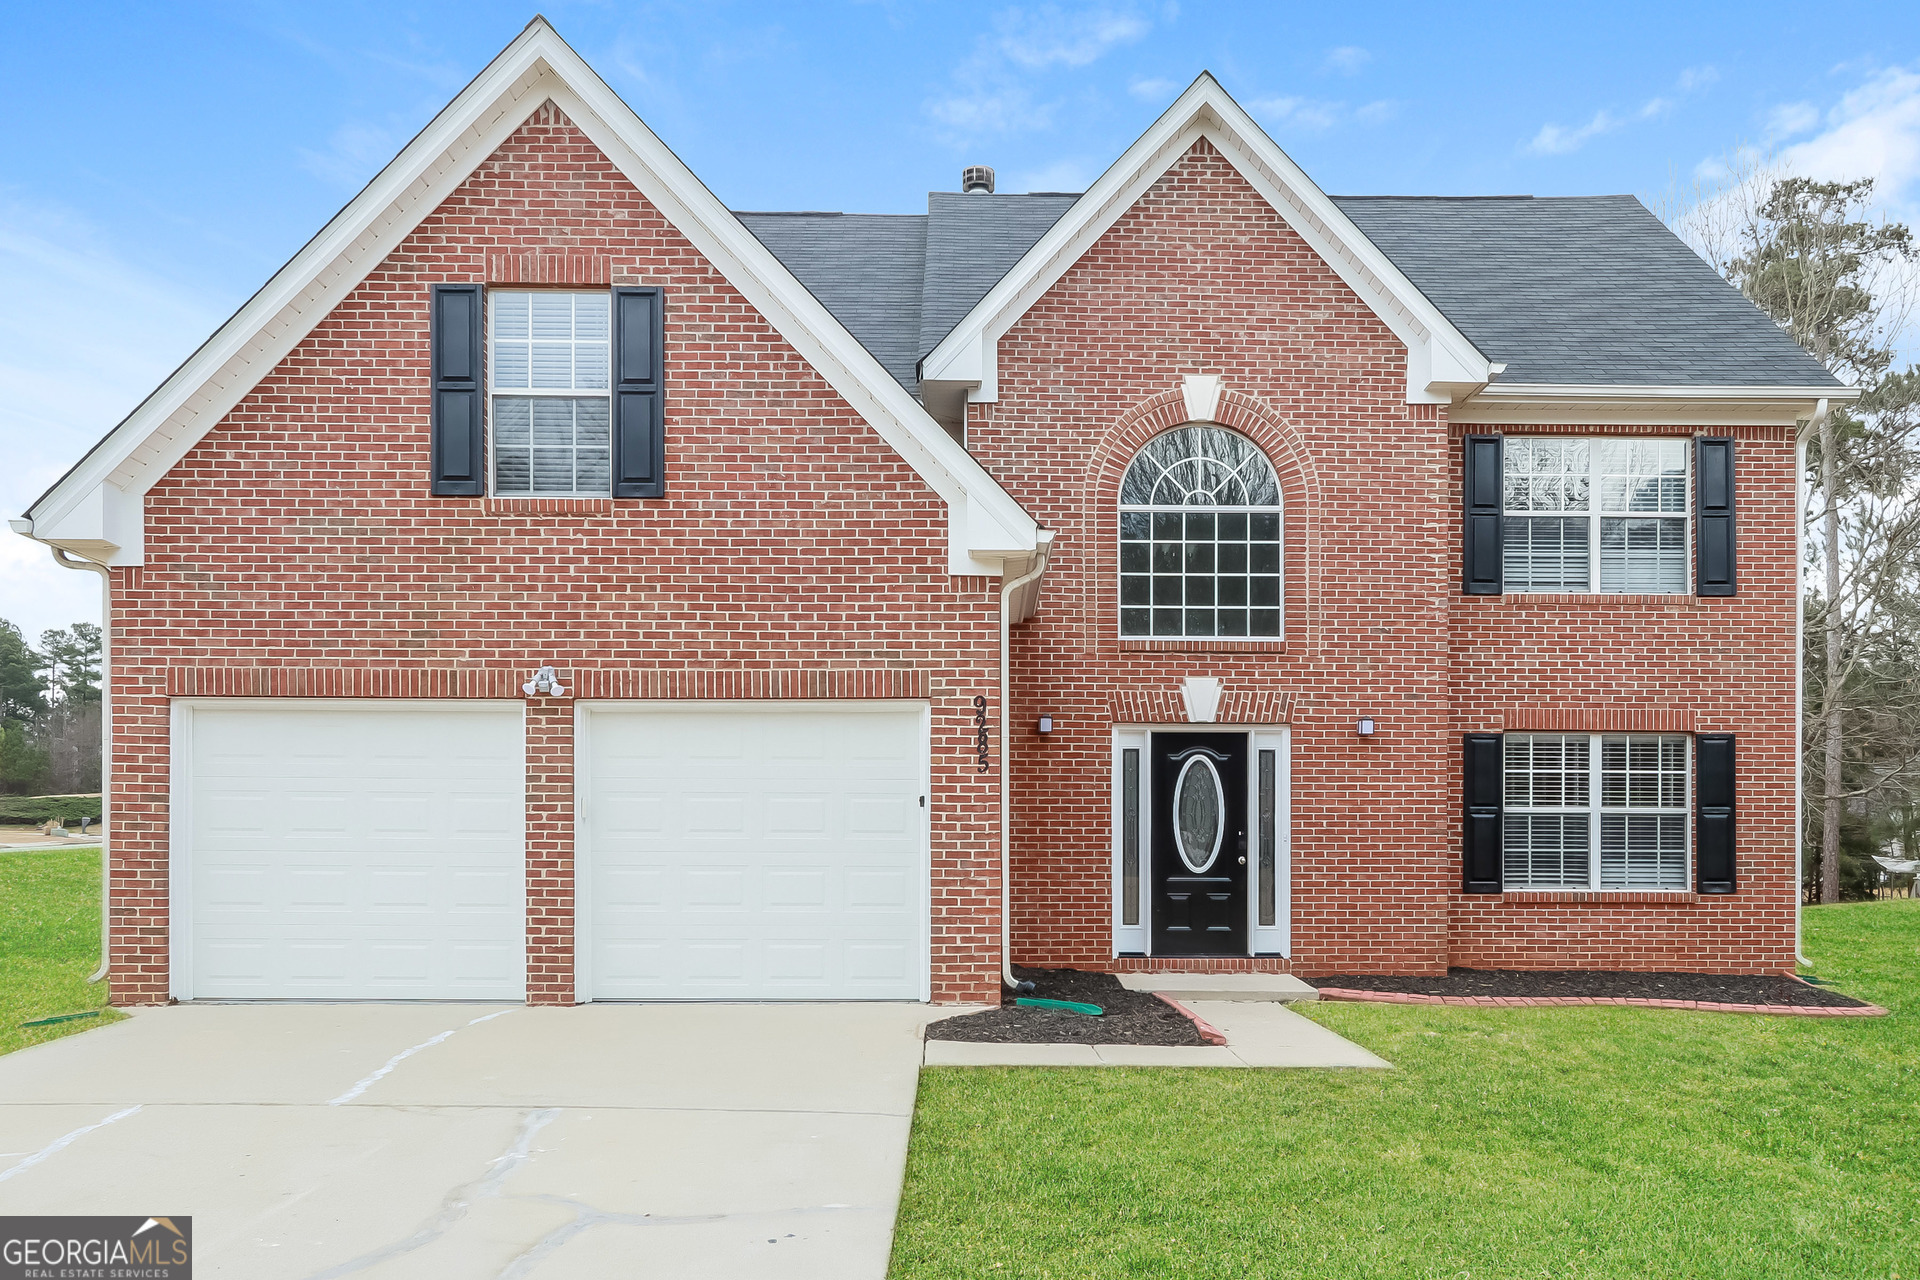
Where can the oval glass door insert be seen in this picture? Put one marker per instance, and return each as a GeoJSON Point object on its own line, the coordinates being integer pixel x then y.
{"type": "Point", "coordinates": [1199, 812]}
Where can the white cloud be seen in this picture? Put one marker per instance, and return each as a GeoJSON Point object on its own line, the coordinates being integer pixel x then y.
{"type": "Point", "coordinates": [353, 155]}
{"type": "Point", "coordinates": [1049, 36]}
{"type": "Point", "coordinates": [1694, 78]}
{"type": "Point", "coordinates": [1377, 112]}
{"type": "Point", "coordinates": [996, 90]}
{"type": "Point", "coordinates": [1560, 140]}
{"type": "Point", "coordinates": [1555, 140]}
{"type": "Point", "coordinates": [1303, 112]}
{"type": "Point", "coordinates": [1152, 90]}
{"type": "Point", "coordinates": [1791, 118]}
{"type": "Point", "coordinates": [1872, 132]}
{"type": "Point", "coordinates": [100, 333]}
{"type": "Point", "coordinates": [1347, 59]}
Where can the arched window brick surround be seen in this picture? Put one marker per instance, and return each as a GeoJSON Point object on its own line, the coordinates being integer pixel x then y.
{"type": "Point", "coordinates": [1301, 556]}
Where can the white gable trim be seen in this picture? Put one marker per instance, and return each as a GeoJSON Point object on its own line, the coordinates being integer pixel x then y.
{"type": "Point", "coordinates": [1441, 363]}
{"type": "Point", "coordinates": [96, 509]}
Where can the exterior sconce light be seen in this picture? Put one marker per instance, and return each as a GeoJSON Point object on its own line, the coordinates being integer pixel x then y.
{"type": "Point", "coordinates": [545, 681]}
{"type": "Point", "coordinates": [1365, 727]}
{"type": "Point", "coordinates": [1046, 724]}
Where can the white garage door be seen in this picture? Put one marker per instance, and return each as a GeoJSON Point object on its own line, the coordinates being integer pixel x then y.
{"type": "Point", "coordinates": [339, 853]}
{"type": "Point", "coordinates": [752, 853]}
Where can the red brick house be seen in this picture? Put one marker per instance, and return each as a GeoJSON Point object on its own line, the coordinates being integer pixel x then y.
{"type": "Point", "coordinates": [554, 585]}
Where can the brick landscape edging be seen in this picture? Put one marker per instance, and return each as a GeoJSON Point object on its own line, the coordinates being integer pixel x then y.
{"type": "Point", "coordinates": [1520, 1002]}
{"type": "Point", "coordinates": [1208, 1032]}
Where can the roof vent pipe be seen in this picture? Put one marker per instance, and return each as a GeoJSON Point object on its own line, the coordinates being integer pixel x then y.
{"type": "Point", "coordinates": [977, 179]}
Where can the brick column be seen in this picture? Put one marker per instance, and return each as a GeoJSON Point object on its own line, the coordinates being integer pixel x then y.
{"type": "Point", "coordinates": [550, 850]}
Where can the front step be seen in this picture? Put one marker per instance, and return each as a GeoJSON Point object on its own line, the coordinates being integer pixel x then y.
{"type": "Point", "coordinates": [1220, 986]}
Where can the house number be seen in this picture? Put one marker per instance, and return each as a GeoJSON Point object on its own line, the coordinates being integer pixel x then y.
{"type": "Point", "coordinates": [980, 721]}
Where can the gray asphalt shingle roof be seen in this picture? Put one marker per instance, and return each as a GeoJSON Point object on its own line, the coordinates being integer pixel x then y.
{"type": "Point", "coordinates": [1579, 289]}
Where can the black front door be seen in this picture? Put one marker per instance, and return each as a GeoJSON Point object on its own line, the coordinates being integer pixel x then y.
{"type": "Point", "coordinates": [1199, 844]}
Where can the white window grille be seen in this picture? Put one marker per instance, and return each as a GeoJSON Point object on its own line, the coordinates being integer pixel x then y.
{"type": "Point", "coordinates": [1581, 512]}
{"type": "Point", "coordinates": [1200, 552]}
{"type": "Point", "coordinates": [1570, 825]}
{"type": "Point", "coordinates": [549, 372]}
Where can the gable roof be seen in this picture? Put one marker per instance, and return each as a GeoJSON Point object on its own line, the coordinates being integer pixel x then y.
{"type": "Point", "coordinates": [900, 282]}
{"type": "Point", "coordinates": [1581, 289]}
{"type": "Point", "coordinates": [1442, 362]}
{"type": "Point", "coordinates": [97, 508]}
{"type": "Point", "coordinates": [1573, 290]}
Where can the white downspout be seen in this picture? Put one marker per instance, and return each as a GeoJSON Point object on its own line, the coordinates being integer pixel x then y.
{"type": "Point", "coordinates": [106, 748]}
{"type": "Point", "coordinates": [1800, 683]}
{"type": "Point", "coordinates": [1045, 550]}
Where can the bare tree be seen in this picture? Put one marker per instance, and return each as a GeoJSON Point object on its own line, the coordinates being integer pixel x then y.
{"type": "Point", "coordinates": [1839, 280]}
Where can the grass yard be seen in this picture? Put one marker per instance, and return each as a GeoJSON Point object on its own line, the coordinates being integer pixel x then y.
{"type": "Point", "coordinates": [1525, 1143]}
{"type": "Point", "coordinates": [49, 943]}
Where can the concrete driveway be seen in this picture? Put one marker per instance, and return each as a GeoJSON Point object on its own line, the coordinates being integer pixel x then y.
{"type": "Point", "coordinates": [453, 1141]}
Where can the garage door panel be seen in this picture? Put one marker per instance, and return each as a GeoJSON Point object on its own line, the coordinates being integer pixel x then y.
{"type": "Point", "coordinates": [743, 853]}
{"type": "Point", "coordinates": [369, 853]}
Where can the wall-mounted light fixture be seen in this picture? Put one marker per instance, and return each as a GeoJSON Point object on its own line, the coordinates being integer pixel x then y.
{"type": "Point", "coordinates": [545, 681]}
{"type": "Point", "coordinates": [1046, 724]}
{"type": "Point", "coordinates": [1365, 727]}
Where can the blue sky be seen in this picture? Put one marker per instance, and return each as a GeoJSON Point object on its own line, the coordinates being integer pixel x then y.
{"type": "Point", "coordinates": [162, 161]}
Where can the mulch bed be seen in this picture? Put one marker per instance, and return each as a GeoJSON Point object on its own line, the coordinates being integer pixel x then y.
{"type": "Point", "coordinates": [1132, 1017]}
{"type": "Point", "coordinates": [1601, 984]}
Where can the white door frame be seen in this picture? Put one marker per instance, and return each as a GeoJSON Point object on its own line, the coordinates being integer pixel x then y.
{"type": "Point", "coordinates": [583, 713]}
{"type": "Point", "coordinates": [180, 804]}
{"type": "Point", "coordinates": [1275, 939]}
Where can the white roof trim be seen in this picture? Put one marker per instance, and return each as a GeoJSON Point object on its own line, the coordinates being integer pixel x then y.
{"type": "Point", "coordinates": [1442, 364]}
{"type": "Point", "coordinates": [96, 508]}
{"type": "Point", "coordinates": [1520, 403]}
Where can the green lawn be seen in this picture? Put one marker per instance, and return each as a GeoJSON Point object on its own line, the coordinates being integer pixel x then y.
{"type": "Point", "coordinates": [49, 943]}
{"type": "Point", "coordinates": [1522, 1143]}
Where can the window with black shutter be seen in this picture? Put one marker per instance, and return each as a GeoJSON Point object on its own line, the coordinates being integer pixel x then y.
{"type": "Point", "coordinates": [639, 414]}
{"type": "Point", "coordinates": [1481, 525]}
{"type": "Point", "coordinates": [1713, 536]}
{"type": "Point", "coordinates": [1714, 813]}
{"type": "Point", "coordinates": [1480, 870]}
{"type": "Point", "coordinates": [458, 449]}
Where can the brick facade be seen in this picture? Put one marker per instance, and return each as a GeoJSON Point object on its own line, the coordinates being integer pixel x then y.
{"type": "Point", "coordinates": [295, 552]}
{"type": "Point", "coordinates": [1200, 276]}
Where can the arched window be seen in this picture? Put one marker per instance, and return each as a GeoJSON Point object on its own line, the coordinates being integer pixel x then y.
{"type": "Point", "coordinates": [1200, 538]}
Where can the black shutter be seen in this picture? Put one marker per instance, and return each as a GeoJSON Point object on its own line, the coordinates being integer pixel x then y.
{"type": "Point", "coordinates": [639, 418]}
{"type": "Point", "coordinates": [1713, 813]}
{"type": "Point", "coordinates": [459, 395]}
{"type": "Point", "coordinates": [1480, 551]}
{"type": "Point", "coordinates": [1713, 539]}
{"type": "Point", "coordinates": [1485, 787]}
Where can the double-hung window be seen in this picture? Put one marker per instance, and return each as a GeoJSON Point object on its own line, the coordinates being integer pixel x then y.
{"type": "Point", "coordinates": [1605, 811]}
{"type": "Point", "coordinates": [1595, 515]}
{"type": "Point", "coordinates": [549, 376]}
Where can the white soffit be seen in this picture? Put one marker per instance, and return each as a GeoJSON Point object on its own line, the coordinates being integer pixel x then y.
{"type": "Point", "coordinates": [1521, 403]}
{"type": "Point", "coordinates": [95, 509]}
{"type": "Point", "coordinates": [1442, 364]}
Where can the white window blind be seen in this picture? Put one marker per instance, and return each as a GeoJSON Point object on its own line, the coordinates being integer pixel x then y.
{"type": "Point", "coordinates": [549, 372]}
{"type": "Point", "coordinates": [1568, 824]}
{"type": "Point", "coordinates": [1581, 512]}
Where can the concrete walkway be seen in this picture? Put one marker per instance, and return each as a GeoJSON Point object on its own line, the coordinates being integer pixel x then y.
{"type": "Point", "coordinates": [1260, 1033]}
{"type": "Point", "coordinates": [459, 1141]}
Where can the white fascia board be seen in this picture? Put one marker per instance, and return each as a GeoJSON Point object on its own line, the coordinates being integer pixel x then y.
{"type": "Point", "coordinates": [538, 65]}
{"type": "Point", "coordinates": [1441, 362]}
{"type": "Point", "coordinates": [1601, 404]}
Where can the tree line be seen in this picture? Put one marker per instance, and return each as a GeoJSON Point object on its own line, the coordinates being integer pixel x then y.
{"type": "Point", "coordinates": [1841, 281]}
{"type": "Point", "coordinates": [50, 711]}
